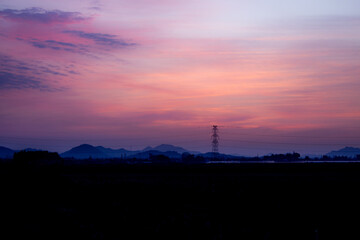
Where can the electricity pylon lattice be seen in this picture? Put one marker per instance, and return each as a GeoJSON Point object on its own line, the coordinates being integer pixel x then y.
{"type": "Point", "coordinates": [215, 139]}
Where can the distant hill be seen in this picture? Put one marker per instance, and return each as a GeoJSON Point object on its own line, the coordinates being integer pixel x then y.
{"type": "Point", "coordinates": [169, 148]}
{"type": "Point", "coordinates": [146, 154]}
{"type": "Point", "coordinates": [116, 153]}
{"type": "Point", "coordinates": [347, 152]}
{"type": "Point", "coordinates": [84, 151]}
{"type": "Point", "coordinates": [6, 153]}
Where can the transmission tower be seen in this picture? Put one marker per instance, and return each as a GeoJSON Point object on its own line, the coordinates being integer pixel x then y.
{"type": "Point", "coordinates": [215, 140]}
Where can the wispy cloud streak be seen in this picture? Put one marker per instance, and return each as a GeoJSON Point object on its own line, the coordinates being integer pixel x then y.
{"type": "Point", "coordinates": [57, 45]}
{"type": "Point", "coordinates": [40, 15]}
{"type": "Point", "coordinates": [18, 81]}
{"type": "Point", "coordinates": [102, 39]}
{"type": "Point", "coordinates": [21, 74]}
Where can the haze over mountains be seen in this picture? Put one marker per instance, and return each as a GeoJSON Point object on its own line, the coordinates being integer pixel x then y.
{"type": "Point", "coordinates": [350, 152]}
{"type": "Point", "coordinates": [6, 152]}
{"type": "Point", "coordinates": [86, 151]}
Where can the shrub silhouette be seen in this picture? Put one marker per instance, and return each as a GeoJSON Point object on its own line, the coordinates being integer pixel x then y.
{"type": "Point", "coordinates": [159, 158]}
{"type": "Point", "coordinates": [283, 157]}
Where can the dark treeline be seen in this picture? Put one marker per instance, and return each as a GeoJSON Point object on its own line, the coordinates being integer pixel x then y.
{"type": "Point", "coordinates": [40, 158]}
{"type": "Point", "coordinates": [34, 158]}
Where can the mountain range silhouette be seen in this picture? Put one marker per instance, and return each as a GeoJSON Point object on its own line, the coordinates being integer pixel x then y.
{"type": "Point", "coordinates": [85, 151]}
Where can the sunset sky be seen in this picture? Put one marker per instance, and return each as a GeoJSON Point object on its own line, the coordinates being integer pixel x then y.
{"type": "Point", "coordinates": [275, 75]}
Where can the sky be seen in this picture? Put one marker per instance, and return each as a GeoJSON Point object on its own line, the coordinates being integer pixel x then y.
{"type": "Point", "coordinates": [276, 76]}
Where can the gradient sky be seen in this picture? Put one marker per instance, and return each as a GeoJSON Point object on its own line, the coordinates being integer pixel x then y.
{"type": "Point", "coordinates": [275, 75]}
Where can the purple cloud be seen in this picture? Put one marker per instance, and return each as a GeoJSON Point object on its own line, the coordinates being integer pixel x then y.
{"type": "Point", "coordinates": [41, 15]}
{"type": "Point", "coordinates": [18, 81]}
{"type": "Point", "coordinates": [12, 65]}
{"type": "Point", "coordinates": [58, 46]}
{"type": "Point", "coordinates": [18, 74]}
{"type": "Point", "coordinates": [102, 39]}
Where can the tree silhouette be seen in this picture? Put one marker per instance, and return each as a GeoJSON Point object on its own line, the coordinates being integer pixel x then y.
{"type": "Point", "coordinates": [36, 158]}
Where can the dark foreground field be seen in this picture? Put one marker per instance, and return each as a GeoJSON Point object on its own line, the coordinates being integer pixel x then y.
{"type": "Point", "coordinates": [244, 201]}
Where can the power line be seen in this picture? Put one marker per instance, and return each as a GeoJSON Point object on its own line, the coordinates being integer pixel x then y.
{"type": "Point", "coordinates": [286, 143]}
{"type": "Point", "coordinates": [294, 136]}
